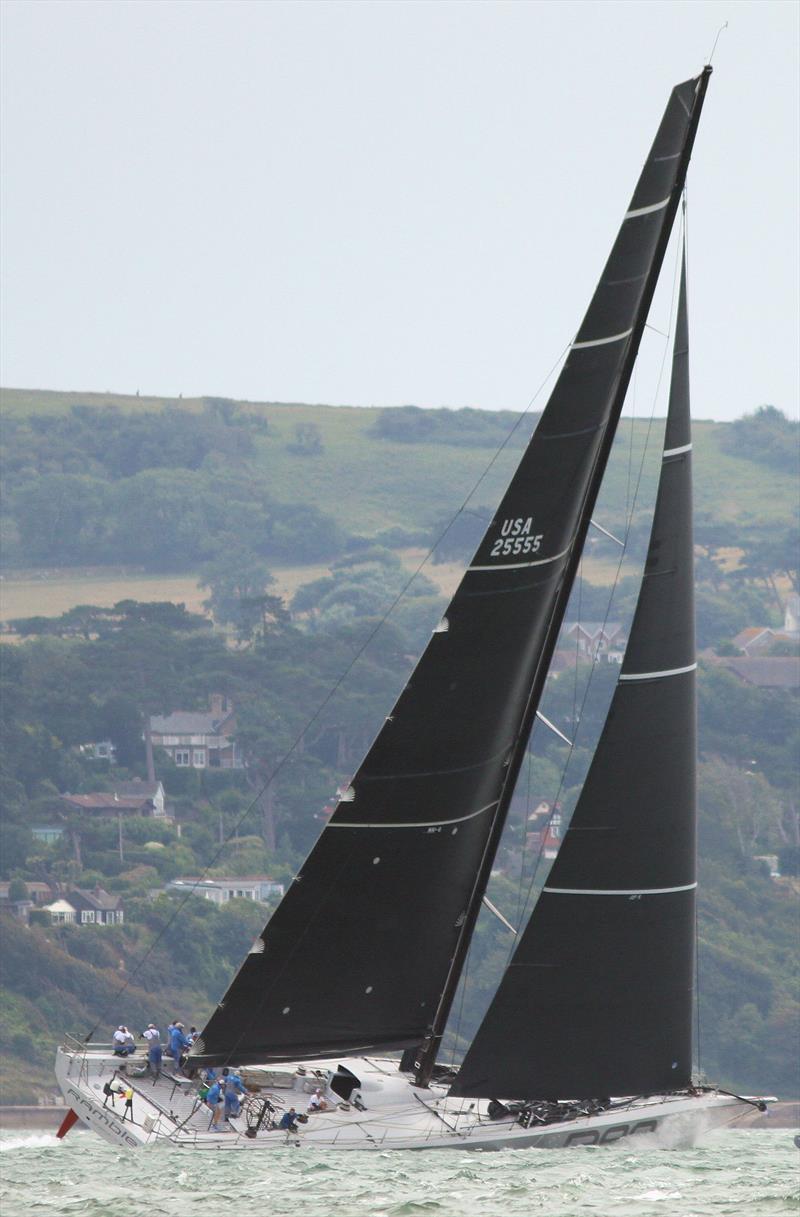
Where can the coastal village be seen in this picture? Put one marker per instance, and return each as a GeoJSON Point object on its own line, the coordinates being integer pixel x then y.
{"type": "Point", "coordinates": [759, 656]}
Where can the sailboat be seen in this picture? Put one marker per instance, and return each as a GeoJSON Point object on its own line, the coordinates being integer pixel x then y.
{"type": "Point", "coordinates": [588, 1039]}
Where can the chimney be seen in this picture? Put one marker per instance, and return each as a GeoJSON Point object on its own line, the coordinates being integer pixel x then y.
{"type": "Point", "coordinates": [218, 704]}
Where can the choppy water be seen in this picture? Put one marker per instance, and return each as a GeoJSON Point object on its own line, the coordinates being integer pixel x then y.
{"type": "Point", "coordinates": [751, 1173]}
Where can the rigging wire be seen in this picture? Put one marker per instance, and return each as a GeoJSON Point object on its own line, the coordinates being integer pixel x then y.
{"type": "Point", "coordinates": [623, 552]}
{"type": "Point", "coordinates": [280, 764]}
{"type": "Point", "coordinates": [716, 40]}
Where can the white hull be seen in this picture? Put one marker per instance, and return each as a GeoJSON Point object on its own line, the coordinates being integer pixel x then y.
{"type": "Point", "coordinates": [394, 1113]}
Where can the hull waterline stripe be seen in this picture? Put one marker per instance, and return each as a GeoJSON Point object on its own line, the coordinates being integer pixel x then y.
{"type": "Point", "coordinates": [619, 891]}
{"type": "Point", "coordinates": [600, 342]}
{"type": "Point", "coordinates": [676, 451]}
{"type": "Point", "coordinates": [656, 675]}
{"type": "Point", "coordinates": [417, 824]}
{"type": "Point", "coordinates": [520, 565]}
{"type": "Point", "coordinates": [646, 211]}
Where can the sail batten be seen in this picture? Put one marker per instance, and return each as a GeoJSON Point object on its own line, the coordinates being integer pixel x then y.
{"type": "Point", "coordinates": [392, 912]}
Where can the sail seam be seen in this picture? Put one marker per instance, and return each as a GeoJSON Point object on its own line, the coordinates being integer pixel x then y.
{"type": "Point", "coordinates": [656, 675]}
{"type": "Point", "coordinates": [677, 451]}
{"type": "Point", "coordinates": [646, 211]}
{"type": "Point", "coordinates": [599, 342]}
{"type": "Point", "coordinates": [619, 891]}
{"type": "Point", "coordinates": [521, 565]}
{"type": "Point", "coordinates": [415, 824]}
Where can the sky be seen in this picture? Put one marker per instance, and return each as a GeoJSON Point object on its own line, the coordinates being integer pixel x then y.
{"type": "Point", "coordinates": [382, 203]}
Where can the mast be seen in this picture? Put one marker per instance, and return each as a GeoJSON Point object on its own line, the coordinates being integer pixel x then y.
{"type": "Point", "coordinates": [364, 952]}
{"type": "Point", "coordinates": [597, 998]}
{"type": "Point", "coordinates": [673, 145]}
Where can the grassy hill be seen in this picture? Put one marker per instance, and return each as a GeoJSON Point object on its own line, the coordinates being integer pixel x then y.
{"type": "Point", "coordinates": [368, 483]}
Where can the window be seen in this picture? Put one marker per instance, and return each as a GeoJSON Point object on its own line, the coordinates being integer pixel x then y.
{"type": "Point", "coordinates": [182, 756]}
{"type": "Point", "coordinates": [199, 758]}
{"type": "Point", "coordinates": [87, 916]}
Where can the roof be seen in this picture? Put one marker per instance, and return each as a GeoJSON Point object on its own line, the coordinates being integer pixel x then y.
{"type": "Point", "coordinates": [225, 879]}
{"type": "Point", "coordinates": [751, 632]}
{"type": "Point", "coordinates": [765, 671]}
{"type": "Point", "coordinates": [189, 722]}
{"type": "Point", "coordinates": [98, 898]}
{"type": "Point", "coordinates": [145, 790]}
{"type": "Point", "coordinates": [102, 801]}
{"type": "Point", "coordinates": [594, 627]}
{"type": "Point", "coordinates": [33, 887]}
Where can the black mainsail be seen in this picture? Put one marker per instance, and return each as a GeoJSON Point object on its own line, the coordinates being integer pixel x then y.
{"type": "Point", "coordinates": [364, 952]}
{"type": "Point", "coordinates": [597, 998]}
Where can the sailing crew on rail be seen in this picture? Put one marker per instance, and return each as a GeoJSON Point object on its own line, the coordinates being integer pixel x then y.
{"type": "Point", "coordinates": [153, 1037]}
{"type": "Point", "coordinates": [123, 1041]}
{"type": "Point", "coordinates": [232, 1087]}
{"type": "Point", "coordinates": [178, 1042]}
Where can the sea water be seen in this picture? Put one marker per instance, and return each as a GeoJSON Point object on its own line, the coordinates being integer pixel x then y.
{"type": "Point", "coordinates": [753, 1173]}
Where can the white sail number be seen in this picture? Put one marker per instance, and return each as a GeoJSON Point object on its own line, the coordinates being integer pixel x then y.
{"type": "Point", "coordinates": [517, 537]}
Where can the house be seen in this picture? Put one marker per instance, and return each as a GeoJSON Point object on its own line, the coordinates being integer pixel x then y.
{"type": "Point", "coordinates": [544, 829]}
{"type": "Point", "coordinates": [38, 893]}
{"type": "Point", "coordinates": [595, 639]}
{"type": "Point", "coordinates": [199, 739]}
{"type": "Point", "coordinates": [99, 750]}
{"type": "Point", "coordinates": [791, 616]}
{"type": "Point", "coordinates": [26, 898]}
{"type": "Point", "coordinates": [250, 887]}
{"type": "Point", "coordinates": [48, 834]}
{"type": "Point", "coordinates": [97, 907]}
{"type": "Point", "coordinates": [129, 798]}
{"type": "Point", "coordinates": [764, 671]}
{"type": "Point", "coordinates": [61, 912]}
{"type": "Point", "coordinates": [758, 640]}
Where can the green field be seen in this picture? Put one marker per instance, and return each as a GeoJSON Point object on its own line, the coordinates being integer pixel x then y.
{"type": "Point", "coordinates": [49, 593]}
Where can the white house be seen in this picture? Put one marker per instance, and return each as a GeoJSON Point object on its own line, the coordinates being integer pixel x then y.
{"type": "Point", "coordinates": [251, 887]}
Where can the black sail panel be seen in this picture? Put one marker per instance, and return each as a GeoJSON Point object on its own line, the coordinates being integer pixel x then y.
{"type": "Point", "coordinates": [597, 999]}
{"type": "Point", "coordinates": [361, 949]}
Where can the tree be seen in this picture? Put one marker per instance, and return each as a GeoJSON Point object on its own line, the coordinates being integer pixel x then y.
{"type": "Point", "coordinates": [236, 580]}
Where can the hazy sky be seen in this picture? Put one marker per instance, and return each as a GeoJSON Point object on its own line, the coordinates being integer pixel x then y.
{"type": "Point", "coordinates": [381, 203]}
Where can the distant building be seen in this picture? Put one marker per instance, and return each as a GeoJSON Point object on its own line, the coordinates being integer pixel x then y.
{"type": "Point", "coordinates": [61, 912]}
{"type": "Point", "coordinates": [99, 750]}
{"type": "Point", "coordinates": [48, 834]}
{"type": "Point", "coordinates": [250, 887]}
{"type": "Point", "coordinates": [764, 671]}
{"type": "Point", "coordinates": [544, 829]}
{"type": "Point", "coordinates": [791, 616]}
{"type": "Point", "coordinates": [759, 639]}
{"type": "Point", "coordinates": [79, 907]}
{"type": "Point", "coordinates": [97, 907]}
{"type": "Point", "coordinates": [38, 893]}
{"type": "Point", "coordinates": [199, 739]}
{"type": "Point", "coordinates": [135, 798]}
{"type": "Point", "coordinates": [595, 639]}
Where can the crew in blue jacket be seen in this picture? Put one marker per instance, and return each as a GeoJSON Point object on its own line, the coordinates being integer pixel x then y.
{"type": "Point", "coordinates": [178, 1042]}
{"type": "Point", "coordinates": [232, 1087]}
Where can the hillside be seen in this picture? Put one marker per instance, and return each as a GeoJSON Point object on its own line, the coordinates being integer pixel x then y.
{"type": "Point", "coordinates": [299, 525]}
{"type": "Point", "coordinates": [369, 483]}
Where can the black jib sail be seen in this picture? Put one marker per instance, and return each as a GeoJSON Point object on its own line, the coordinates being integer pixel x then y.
{"type": "Point", "coordinates": [597, 998]}
{"type": "Point", "coordinates": [364, 951]}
